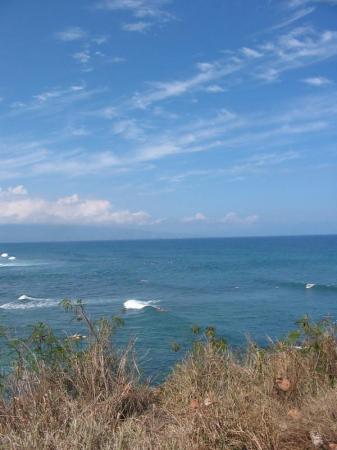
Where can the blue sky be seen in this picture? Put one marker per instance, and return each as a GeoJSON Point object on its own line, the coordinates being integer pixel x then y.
{"type": "Point", "coordinates": [167, 117]}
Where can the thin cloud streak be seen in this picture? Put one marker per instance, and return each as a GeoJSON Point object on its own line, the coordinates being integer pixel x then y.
{"type": "Point", "coordinates": [225, 131]}
{"type": "Point", "coordinates": [295, 49]}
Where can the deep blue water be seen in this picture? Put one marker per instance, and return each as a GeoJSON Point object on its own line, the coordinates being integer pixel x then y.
{"type": "Point", "coordinates": [242, 286]}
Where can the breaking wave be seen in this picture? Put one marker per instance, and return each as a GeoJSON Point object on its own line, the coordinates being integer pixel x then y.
{"type": "Point", "coordinates": [27, 302]}
{"type": "Point", "coordinates": [139, 304]}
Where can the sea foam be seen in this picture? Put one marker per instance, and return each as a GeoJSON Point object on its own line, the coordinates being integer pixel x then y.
{"type": "Point", "coordinates": [27, 302]}
{"type": "Point", "coordinates": [30, 305]}
{"type": "Point", "coordinates": [27, 297]}
{"type": "Point", "coordinates": [138, 304]}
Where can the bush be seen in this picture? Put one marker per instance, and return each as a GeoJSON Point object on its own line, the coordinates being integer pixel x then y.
{"type": "Point", "coordinates": [82, 393]}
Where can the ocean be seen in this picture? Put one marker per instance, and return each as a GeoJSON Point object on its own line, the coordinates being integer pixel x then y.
{"type": "Point", "coordinates": [245, 287]}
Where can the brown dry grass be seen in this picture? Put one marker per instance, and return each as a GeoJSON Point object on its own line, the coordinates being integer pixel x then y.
{"type": "Point", "coordinates": [275, 399]}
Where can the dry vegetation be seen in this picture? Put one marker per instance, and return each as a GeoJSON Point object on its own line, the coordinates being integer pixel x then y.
{"type": "Point", "coordinates": [61, 397]}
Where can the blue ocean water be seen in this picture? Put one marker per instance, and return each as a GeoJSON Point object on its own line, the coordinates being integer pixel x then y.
{"type": "Point", "coordinates": [242, 286]}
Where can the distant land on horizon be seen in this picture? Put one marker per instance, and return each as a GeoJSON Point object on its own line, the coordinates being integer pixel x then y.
{"type": "Point", "coordinates": [43, 233]}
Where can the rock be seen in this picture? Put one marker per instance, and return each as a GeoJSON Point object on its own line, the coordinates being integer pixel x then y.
{"type": "Point", "coordinates": [332, 446]}
{"type": "Point", "coordinates": [283, 384]}
{"type": "Point", "coordinates": [316, 439]}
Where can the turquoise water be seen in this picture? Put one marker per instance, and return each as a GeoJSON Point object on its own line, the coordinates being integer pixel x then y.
{"type": "Point", "coordinates": [243, 286]}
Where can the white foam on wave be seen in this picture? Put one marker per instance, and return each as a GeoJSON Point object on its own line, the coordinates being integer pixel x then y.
{"type": "Point", "coordinates": [309, 285]}
{"type": "Point", "coordinates": [27, 302]}
{"type": "Point", "coordinates": [12, 258]}
{"type": "Point", "coordinates": [14, 263]}
{"type": "Point", "coordinates": [139, 304]}
{"type": "Point", "coordinates": [26, 297]}
{"type": "Point", "coordinates": [30, 305]}
{"type": "Point", "coordinates": [4, 255]}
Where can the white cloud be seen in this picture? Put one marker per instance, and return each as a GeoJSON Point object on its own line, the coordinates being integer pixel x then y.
{"type": "Point", "coordinates": [139, 27]}
{"type": "Point", "coordinates": [224, 131]}
{"type": "Point", "coordinates": [17, 207]}
{"type": "Point", "coordinates": [317, 81]}
{"type": "Point", "coordinates": [48, 102]}
{"type": "Point", "coordinates": [301, 47]}
{"type": "Point", "coordinates": [251, 53]}
{"type": "Point", "coordinates": [207, 72]}
{"type": "Point", "coordinates": [99, 40]}
{"type": "Point", "coordinates": [53, 101]}
{"type": "Point", "coordinates": [255, 165]}
{"type": "Point", "coordinates": [79, 132]}
{"type": "Point", "coordinates": [116, 60]}
{"type": "Point", "coordinates": [294, 18]}
{"type": "Point", "coordinates": [259, 163]}
{"type": "Point", "coordinates": [71, 34]}
{"type": "Point", "coordinates": [159, 221]}
{"type": "Point", "coordinates": [138, 8]}
{"type": "Point", "coordinates": [148, 12]}
{"type": "Point", "coordinates": [108, 112]}
{"type": "Point", "coordinates": [16, 190]}
{"type": "Point", "coordinates": [268, 74]}
{"type": "Point", "coordinates": [82, 57]}
{"type": "Point", "coordinates": [233, 218]}
{"type": "Point", "coordinates": [298, 48]}
{"type": "Point", "coordinates": [214, 89]}
{"type": "Point", "coordinates": [297, 3]}
{"type": "Point", "coordinates": [197, 217]}
{"type": "Point", "coordinates": [128, 128]}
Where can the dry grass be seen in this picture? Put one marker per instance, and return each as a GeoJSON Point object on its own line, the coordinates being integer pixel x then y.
{"type": "Point", "coordinates": [283, 398]}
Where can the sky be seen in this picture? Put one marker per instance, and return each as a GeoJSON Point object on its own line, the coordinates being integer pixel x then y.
{"type": "Point", "coordinates": [167, 118]}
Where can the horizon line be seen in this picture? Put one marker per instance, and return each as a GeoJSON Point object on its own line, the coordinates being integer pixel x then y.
{"type": "Point", "coordinates": [171, 238]}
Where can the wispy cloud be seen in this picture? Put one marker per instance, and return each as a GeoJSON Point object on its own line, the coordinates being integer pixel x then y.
{"type": "Point", "coordinates": [251, 53]}
{"type": "Point", "coordinates": [296, 16]}
{"type": "Point", "coordinates": [80, 132]}
{"type": "Point", "coordinates": [147, 12]}
{"type": "Point", "coordinates": [139, 27]}
{"type": "Point", "coordinates": [214, 89]}
{"type": "Point", "coordinates": [71, 34]}
{"type": "Point", "coordinates": [13, 191]}
{"type": "Point", "coordinates": [258, 164]}
{"type": "Point", "coordinates": [116, 59]}
{"type": "Point", "coordinates": [139, 8]}
{"type": "Point", "coordinates": [129, 129]}
{"type": "Point", "coordinates": [297, 3]}
{"type": "Point", "coordinates": [317, 81]}
{"type": "Point", "coordinates": [233, 218]}
{"type": "Point", "coordinates": [298, 48]}
{"type": "Point", "coordinates": [83, 57]}
{"type": "Point", "coordinates": [207, 73]}
{"type": "Point", "coordinates": [197, 217]}
{"type": "Point", "coordinates": [224, 131]}
{"type": "Point", "coordinates": [51, 101]}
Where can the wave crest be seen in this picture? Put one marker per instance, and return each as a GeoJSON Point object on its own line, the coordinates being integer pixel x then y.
{"type": "Point", "coordinates": [138, 304]}
{"type": "Point", "coordinates": [27, 302]}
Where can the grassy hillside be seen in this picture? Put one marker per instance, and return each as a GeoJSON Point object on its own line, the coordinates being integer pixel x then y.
{"type": "Point", "coordinates": [64, 395]}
